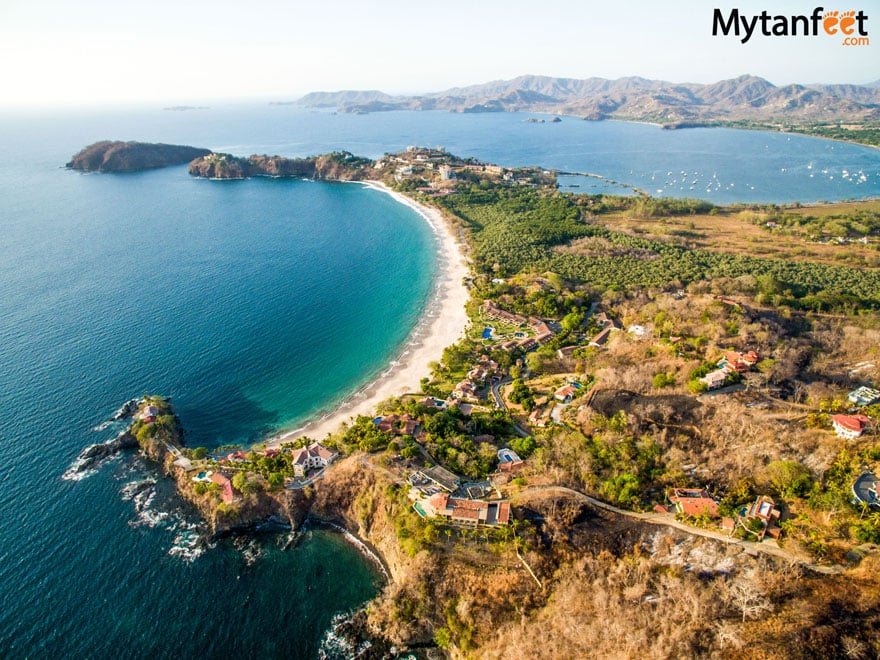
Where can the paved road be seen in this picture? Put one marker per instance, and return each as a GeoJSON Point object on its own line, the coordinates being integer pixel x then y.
{"type": "Point", "coordinates": [666, 519]}
{"type": "Point", "coordinates": [499, 403]}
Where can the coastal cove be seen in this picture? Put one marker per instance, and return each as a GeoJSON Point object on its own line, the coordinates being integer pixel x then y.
{"type": "Point", "coordinates": [257, 305]}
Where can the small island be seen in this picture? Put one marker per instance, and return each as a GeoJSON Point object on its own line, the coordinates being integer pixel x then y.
{"type": "Point", "coordinates": [108, 156]}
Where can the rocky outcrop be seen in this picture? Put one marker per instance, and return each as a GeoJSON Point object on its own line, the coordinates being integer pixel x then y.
{"type": "Point", "coordinates": [110, 156]}
{"type": "Point", "coordinates": [91, 456]}
{"type": "Point", "coordinates": [339, 166]}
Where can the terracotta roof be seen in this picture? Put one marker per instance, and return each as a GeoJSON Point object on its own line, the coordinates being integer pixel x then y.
{"type": "Point", "coordinates": [439, 500]}
{"type": "Point", "coordinates": [466, 514]}
{"type": "Point", "coordinates": [503, 515]}
{"type": "Point", "coordinates": [694, 502]}
{"type": "Point", "coordinates": [855, 423]}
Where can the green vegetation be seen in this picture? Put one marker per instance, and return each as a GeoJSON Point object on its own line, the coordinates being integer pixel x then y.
{"type": "Point", "coordinates": [515, 229]}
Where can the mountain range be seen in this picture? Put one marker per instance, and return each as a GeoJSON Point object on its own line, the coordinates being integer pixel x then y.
{"type": "Point", "coordinates": [746, 98]}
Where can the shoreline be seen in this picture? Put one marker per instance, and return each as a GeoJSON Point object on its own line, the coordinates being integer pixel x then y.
{"type": "Point", "coordinates": [443, 323]}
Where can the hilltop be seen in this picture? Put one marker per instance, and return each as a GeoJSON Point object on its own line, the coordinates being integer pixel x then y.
{"type": "Point", "coordinates": [107, 156]}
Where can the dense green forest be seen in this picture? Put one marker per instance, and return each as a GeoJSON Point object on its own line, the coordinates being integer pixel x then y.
{"type": "Point", "coordinates": [516, 228]}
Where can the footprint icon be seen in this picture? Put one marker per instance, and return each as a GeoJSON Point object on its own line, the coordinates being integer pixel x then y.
{"type": "Point", "coordinates": [829, 21]}
{"type": "Point", "coordinates": [847, 20]}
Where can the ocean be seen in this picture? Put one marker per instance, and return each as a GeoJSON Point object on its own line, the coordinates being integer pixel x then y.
{"type": "Point", "coordinates": [255, 305]}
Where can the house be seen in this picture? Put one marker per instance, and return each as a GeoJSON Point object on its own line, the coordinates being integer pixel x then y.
{"type": "Point", "coordinates": [864, 396]}
{"type": "Point", "coordinates": [442, 478]}
{"type": "Point", "coordinates": [149, 415]}
{"type": "Point", "coordinates": [601, 338]}
{"type": "Point", "coordinates": [566, 393]}
{"type": "Point", "coordinates": [446, 173]}
{"type": "Point", "coordinates": [693, 502]}
{"type": "Point", "coordinates": [764, 509]}
{"type": "Point", "coordinates": [431, 402]}
{"type": "Point", "coordinates": [237, 457]}
{"type": "Point", "coordinates": [272, 452]}
{"type": "Point", "coordinates": [714, 379]}
{"type": "Point", "coordinates": [315, 456]}
{"type": "Point", "coordinates": [849, 426]}
{"type": "Point", "coordinates": [740, 362]}
{"type": "Point", "coordinates": [465, 390]}
{"type": "Point", "coordinates": [508, 460]}
{"type": "Point", "coordinates": [395, 424]}
{"type": "Point", "coordinates": [226, 492]}
{"type": "Point", "coordinates": [470, 513]}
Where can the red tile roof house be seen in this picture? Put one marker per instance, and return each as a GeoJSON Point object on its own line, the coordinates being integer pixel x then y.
{"type": "Point", "coordinates": [694, 502]}
{"type": "Point", "coordinates": [741, 362]}
{"type": "Point", "coordinates": [565, 393]}
{"type": "Point", "coordinates": [237, 456]}
{"type": "Point", "coordinates": [849, 426]}
{"type": "Point", "coordinates": [226, 492]}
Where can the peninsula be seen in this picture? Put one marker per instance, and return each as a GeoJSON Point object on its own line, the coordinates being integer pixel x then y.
{"type": "Point", "coordinates": [107, 156]}
{"type": "Point", "coordinates": [654, 402]}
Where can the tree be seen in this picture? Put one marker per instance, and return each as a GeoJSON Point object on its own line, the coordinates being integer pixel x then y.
{"type": "Point", "coordinates": [749, 600]}
{"type": "Point", "coordinates": [789, 478]}
{"type": "Point", "coordinates": [276, 479]}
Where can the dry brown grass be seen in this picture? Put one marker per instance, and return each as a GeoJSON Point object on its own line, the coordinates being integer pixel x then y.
{"type": "Point", "coordinates": [728, 232]}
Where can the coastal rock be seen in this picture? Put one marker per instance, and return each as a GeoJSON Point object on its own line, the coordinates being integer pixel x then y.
{"type": "Point", "coordinates": [338, 166]}
{"type": "Point", "coordinates": [91, 456]}
{"type": "Point", "coordinates": [110, 156]}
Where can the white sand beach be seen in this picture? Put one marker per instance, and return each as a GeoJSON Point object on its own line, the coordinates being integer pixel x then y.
{"type": "Point", "coordinates": [443, 324]}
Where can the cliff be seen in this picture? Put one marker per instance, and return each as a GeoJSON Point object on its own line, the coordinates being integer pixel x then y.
{"type": "Point", "coordinates": [338, 166]}
{"type": "Point", "coordinates": [161, 440]}
{"type": "Point", "coordinates": [109, 156]}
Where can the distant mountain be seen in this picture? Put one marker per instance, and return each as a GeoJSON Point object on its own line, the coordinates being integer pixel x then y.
{"type": "Point", "coordinates": [743, 98]}
{"type": "Point", "coordinates": [333, 99]}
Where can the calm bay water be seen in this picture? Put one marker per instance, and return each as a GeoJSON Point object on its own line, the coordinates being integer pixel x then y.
{"type": "Point", "coordinates": [254, 304]}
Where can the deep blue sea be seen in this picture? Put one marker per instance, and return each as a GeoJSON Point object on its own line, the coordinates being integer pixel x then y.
{"type": "Point", "coordinates": [254, 304]}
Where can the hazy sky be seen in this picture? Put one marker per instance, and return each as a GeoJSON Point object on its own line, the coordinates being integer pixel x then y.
{"type": "Point", "coordinates": [98, 51]}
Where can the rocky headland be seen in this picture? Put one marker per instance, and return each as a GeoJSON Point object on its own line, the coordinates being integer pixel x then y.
{"type": "Point", "coordinates": [338, 166]}
{"type": "Point", "coordinates": [108, 156]}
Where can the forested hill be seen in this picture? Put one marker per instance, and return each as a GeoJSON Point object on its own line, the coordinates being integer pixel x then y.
{"type": "Point", "coordinates": [110, 156]}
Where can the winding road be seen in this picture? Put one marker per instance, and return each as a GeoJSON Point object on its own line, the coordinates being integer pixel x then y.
{"type": "Point", "coordinates": [668, 520]}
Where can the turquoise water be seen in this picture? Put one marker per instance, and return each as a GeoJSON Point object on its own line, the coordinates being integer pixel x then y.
{"type": "Point", "coordinates": [254, 304]}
